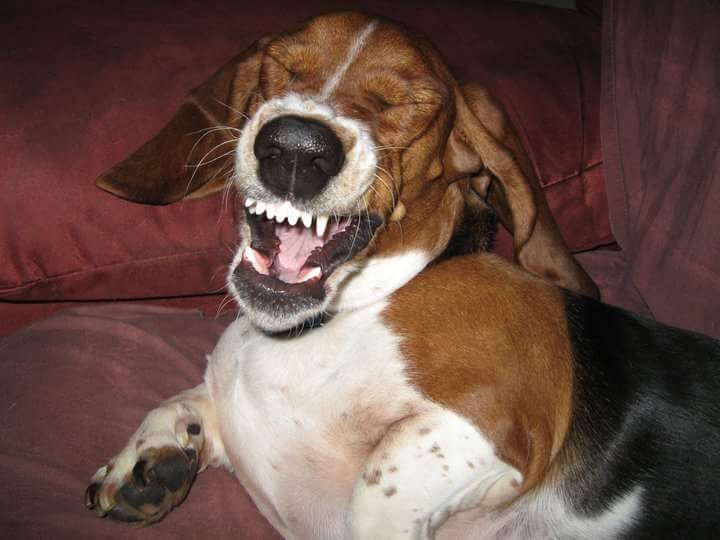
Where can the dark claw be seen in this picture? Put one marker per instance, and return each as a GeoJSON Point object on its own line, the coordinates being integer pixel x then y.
{"type": "Point", "coordinates": [91, 495]}
{"type": "Point", "coordinates": [138, 473]}
{"type": "Point", "coordinates": [191, 454]}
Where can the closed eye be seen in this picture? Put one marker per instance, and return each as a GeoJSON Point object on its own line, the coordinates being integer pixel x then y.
{"type": "Point", "coordinates": [386, 90]}
{"type": "Point", "coordinates": [380, 101]}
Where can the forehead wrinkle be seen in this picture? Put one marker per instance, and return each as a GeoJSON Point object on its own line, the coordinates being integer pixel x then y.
{"type": "Point", "coordinates": [354, 50]}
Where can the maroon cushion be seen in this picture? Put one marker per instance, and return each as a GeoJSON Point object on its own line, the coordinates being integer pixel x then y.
{"type": "Point", "coordinates": [73, 388]}
{"type": "Point", "coordinates": [661, 97]}
{"type": "Point", "coordinates": [92, 81]}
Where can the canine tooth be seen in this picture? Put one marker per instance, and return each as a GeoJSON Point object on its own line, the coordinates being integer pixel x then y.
{"type": "Point", "coordinates": [293, 216]}
{"type": "Point", "coordinates": [249, 202]}
{"type": "Point", "coordinates": [321, 225]}
{"type": "Point", "coordinates": [315, 272]}
{"type": "Point", "coordinates": [249, 254]}
{"type": "Point", "coordinates": [306, 219]}
{"type": "Point", "coordinates": [259, 208]}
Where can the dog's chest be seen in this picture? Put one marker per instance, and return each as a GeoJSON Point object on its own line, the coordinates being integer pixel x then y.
{"type": "Point", "coordinates": [300, 415]}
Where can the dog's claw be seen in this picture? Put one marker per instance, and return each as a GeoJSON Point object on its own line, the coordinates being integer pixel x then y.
{"type": "Point", "coordinates": [91, 495]}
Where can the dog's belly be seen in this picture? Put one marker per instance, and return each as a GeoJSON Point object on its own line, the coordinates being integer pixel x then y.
{"type": "Point", "coordinates": [300, 416]}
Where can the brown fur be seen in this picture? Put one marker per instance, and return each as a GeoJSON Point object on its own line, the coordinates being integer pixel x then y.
{"type": "Point", "coordinates": [490, 342]}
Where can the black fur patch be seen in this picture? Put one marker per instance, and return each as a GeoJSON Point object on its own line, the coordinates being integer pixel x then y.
{"type": "Point", "coordinates": [647, 414]}
{"type": "Point", "coordinates": [476, 233]}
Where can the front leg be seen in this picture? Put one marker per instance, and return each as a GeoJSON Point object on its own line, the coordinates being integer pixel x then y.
{"type": "Point", "coordinates": [154, 471]}
{"type": "Point", "coordinates": [425, 469]}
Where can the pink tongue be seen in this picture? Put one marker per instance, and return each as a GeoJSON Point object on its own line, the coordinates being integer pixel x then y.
{"type": "Point", "coordinates": [296, 244]}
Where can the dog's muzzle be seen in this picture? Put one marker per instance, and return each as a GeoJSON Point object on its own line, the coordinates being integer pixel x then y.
{"type": "Point", "coordinates": [297, 156]}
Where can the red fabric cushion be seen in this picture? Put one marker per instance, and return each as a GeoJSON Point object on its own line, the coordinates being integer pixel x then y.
{"type": "Point", "coordinates": [661, 97]}
{"type": "Point", "coordinates": [73, 388]}
{"type": "Point", "coordinates": [91, 82]}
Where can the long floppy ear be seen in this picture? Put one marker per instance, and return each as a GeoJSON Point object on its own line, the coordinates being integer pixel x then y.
{"type": "Point", "coordinates": [482, 143]}
{"type": "Point", "coordinates": [192, 155]}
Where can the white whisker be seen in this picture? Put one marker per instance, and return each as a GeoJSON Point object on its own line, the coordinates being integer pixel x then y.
{"type": "Point", "coordinates": [227, 299]}
{"type": "Point", "coordinates": [385, 184]}
{"type": "Point", "coordinates": [202, 162]}
{"type": "Point", "coordinates": [211, 129]}
{"type": "Point", "coordinates": [390, 147]}
{"type": "Point", "coordinates": [239, 113]}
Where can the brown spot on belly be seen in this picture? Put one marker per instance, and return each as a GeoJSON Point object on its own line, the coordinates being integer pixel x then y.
{"type": "Point", "coordinates": [390, 491]}
{"type": "Point", "coordinates": [373, 477]}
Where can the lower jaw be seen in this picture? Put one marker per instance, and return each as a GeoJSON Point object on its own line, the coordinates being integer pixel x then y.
{"type": "Point", "coordinates": [273, 309]}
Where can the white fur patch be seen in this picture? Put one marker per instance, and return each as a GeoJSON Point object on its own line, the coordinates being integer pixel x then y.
{"type": "Point", "coordinates": [544, 514]}
{"type": "Point", "coordinates": [301, 415]}
{"type": "Point", "coordinates": [355, 48]}
{"type": "Point", "coordinates": [426, 469]}
{"type": "Point", "coordinates": [377, 278]}
{"type": "Point", "coordinates": [608, 525]}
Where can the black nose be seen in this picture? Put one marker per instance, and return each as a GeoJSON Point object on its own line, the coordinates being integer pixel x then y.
{"type": "Point", "coordinates": [297, 156]}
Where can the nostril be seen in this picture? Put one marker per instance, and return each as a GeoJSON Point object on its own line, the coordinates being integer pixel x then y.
{"type": "Point", "coordinates": [329, 166]}
{"type": "Point", "coordinates": [263, 151]}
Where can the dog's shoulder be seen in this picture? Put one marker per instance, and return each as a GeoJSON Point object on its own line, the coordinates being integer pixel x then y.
{"type": "Point", "coordinates": [477, 335]}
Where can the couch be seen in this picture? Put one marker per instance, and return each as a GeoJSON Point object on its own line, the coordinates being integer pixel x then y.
{"type": "Point", "coordinates": [107, 308]}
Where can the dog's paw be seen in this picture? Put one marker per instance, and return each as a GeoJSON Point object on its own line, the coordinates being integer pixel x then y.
{"type": "Point", "coordinates": [147, 479]}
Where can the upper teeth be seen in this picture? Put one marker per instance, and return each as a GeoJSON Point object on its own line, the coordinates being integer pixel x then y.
{"type": "Point", "coordinates": [286, 211]}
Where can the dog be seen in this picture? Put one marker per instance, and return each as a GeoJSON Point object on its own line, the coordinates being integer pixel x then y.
{"type": "Point", "coordinates": [389, 378]}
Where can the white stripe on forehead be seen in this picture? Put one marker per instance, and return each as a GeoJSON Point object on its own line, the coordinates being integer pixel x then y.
{"type": "Point", "coordinates": [355, 48]}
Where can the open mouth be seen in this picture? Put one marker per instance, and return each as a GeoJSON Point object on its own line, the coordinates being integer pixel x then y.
{"type": "Point", "coordinates": [294, 252]}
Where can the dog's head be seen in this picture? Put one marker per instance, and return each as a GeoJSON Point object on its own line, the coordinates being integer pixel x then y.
{"type": "Point", "coordinates": [357, 155]}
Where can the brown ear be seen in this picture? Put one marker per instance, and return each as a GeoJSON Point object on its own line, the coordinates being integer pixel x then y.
{"type": "Point", "coordinates": [483, 143]}
{"type": "Point", "coordinates": [192, 155]}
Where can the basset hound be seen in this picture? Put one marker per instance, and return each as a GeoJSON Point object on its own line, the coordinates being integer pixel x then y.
{"type": "Point", "coordinates": [386, 382]}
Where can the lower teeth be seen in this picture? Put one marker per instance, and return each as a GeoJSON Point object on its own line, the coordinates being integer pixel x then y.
{"type": "Point", "coordinates": [312, 274]}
